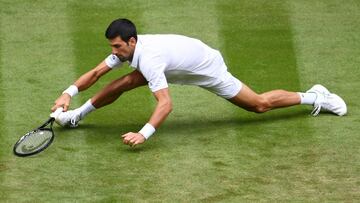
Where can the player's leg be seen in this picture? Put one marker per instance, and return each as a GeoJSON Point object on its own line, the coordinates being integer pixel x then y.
{"type": "Point", "coordinates": [241, 95]}
{"type": "Point", "coordinates": [113, 90]}
{"type": "Point", "coordinates": [106, 96]}
{"type": "Point", "coordinates": [318, 96]}
{"type": "Point", "coordinates": [227, 86]}
{"type": "Point", "coordinates": [260, 103]}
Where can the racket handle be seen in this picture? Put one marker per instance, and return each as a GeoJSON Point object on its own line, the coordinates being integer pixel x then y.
{"type": "Point", "coordinates": [56, 112]}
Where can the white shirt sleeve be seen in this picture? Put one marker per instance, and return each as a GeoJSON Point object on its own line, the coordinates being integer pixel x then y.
{"type": "Point", "coordinates": [157, 81]}
{"type": "Point", "coordinates": [152, 68]}
{"type": "Point", "coordinates": [113, 61]}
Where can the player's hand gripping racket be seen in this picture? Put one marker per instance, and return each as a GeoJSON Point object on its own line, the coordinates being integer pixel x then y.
{"type": "Point", "coordinates": [37, 140]}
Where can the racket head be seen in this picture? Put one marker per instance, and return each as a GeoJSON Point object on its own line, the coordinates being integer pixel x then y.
{"type": "Point", "coordinates": [35, 141]}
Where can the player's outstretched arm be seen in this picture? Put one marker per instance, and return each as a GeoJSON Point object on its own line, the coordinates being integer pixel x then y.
{"type": "Point", "coordinates": [162, 110]}
{"type": "Point", "coordinates": [85, 81]}
{"type": "Point", "coordinates": [88, 79]}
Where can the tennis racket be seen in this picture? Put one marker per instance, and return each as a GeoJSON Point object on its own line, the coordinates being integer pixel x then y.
{"type": "Point", "coordinates": [38, 139]}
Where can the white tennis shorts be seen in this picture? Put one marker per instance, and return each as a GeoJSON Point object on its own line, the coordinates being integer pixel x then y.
{"type": "Point", "coordinates": [212, 75]}
{"type": "Point", "coordinates": [226, 85]}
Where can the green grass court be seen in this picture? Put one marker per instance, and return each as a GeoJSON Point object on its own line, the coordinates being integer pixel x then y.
{"type": "Point", "coordinates": [208, 150]}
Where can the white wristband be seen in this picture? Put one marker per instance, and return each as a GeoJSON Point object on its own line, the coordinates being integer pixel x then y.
{"type": "Point", "coordinates": [147, 130]}
{"type": "Point", "coordinates": [72, 90]}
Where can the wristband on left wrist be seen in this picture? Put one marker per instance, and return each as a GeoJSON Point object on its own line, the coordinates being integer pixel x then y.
{"type": "Point", "coordinates": [147, 130]}
{"type": "Point", "coordinates": [72, 90]}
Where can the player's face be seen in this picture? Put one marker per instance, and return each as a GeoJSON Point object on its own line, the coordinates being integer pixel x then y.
{"type": "Point", "coordinates": [124, 51]}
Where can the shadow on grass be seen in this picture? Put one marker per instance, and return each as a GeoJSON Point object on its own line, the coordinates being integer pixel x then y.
{"type": "Point", "coordinates": [106, 134]}
{"type": "Point", "coordinates": [238, 121]}
{"type": "Point", "coordinates": [115, 129]}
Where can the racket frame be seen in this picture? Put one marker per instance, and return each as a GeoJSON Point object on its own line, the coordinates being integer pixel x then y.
{"type": "Point", "coordinates": [42, 127]}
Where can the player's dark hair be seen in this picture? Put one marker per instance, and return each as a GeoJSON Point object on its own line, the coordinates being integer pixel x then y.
{"type": "Point", "coordinates": [123, 28]}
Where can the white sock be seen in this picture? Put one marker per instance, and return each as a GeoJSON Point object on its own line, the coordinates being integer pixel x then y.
{"type": "Point", "coordinates": [85, 109]}
{"type": "Point", "coordinates": [307, 98]}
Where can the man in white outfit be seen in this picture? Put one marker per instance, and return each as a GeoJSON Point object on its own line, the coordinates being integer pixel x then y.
{"type": "Point", "coordinates": [162, 59]}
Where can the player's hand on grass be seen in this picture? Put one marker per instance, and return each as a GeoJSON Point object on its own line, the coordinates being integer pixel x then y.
{"type": "Point", "coordinates": [63, 101]}
{"type": "Point", "coordinates": [133, 139]}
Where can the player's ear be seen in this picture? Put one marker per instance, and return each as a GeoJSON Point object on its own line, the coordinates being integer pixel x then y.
{"type": "Point", "coordinates": [132, 41]}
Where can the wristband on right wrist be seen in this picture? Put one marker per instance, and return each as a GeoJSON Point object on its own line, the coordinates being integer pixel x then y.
{"type": "Point", "coordinates": [72, 90]}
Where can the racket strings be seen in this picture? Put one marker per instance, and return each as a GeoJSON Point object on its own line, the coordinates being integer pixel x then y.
{"type": "Point", "coordinates": [34, 141]}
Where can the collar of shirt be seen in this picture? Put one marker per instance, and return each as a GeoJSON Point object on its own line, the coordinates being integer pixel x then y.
{"type": "Point", "coordinates": [137, 52]}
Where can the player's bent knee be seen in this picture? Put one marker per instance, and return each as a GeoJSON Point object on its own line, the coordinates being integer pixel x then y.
{"type": "Point", "coordinates": [260, 109]}
{"type": "Point", "coordinates": [256, 108]}
{"type": "Point", "coordinates": [123, 84]}
{"type": "Point", "coordinates": [262, 106]}
{"type": "Point", "coordinates": [128, 81]}
{"type": "Point", "coordinates": [132, 81]}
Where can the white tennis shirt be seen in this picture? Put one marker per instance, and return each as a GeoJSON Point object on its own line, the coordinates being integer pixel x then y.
{"type": "Point", "coordinates": [168, 58]}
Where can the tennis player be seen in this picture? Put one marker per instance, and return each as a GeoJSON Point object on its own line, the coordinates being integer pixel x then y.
{"type": "Point", "coordinates": [167, 58]}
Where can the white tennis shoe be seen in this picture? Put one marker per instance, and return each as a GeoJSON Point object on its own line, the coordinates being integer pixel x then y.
{"type": "Point", "coordinates": [327, 101]}
{"type": "Point", "coordinates": [69, 118]}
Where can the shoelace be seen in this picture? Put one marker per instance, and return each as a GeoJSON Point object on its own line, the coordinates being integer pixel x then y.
{"type": "Point", "coordinates": [317, 107]}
